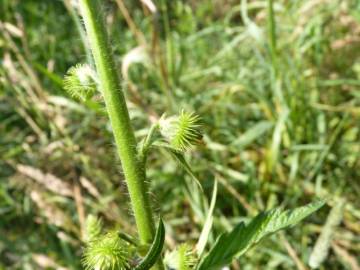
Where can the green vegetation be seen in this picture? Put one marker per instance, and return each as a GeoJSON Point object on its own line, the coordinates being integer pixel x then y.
{"type": "Point", "coordinates": [274, 91]}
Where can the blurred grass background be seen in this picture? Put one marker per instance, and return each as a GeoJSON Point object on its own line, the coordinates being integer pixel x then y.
{"type": "Point", "coordinates": [278, 91]}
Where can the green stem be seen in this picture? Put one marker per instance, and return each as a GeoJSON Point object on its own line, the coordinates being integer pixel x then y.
{"type": "Point", "coordinates": [146, 144]}
{"type": "Point", "coordinates": [133, 168]}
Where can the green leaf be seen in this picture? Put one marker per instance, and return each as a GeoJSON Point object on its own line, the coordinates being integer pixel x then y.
{"type": "Point", "coordinates": [242, 237]}
{"type": "Point", "coordinates": [252, 134]}
{"type": "Point", "coordinates": [200, 246]}
{"type": "Point", "coordinates": [155, 249]}
{"type": "Point", "coordinates": [282, 219]}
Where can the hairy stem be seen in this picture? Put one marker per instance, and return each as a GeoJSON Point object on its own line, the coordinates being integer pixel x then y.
{"type": "Point", "coordinates": [133, 168]}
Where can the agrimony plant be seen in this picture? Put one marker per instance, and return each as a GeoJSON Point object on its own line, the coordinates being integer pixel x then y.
{"type": "Point", "coordinates": [182, 258]}
{"type": "Point", "coordinates": [181, 131]}
{"type": "Point", "coordinates": [176, 134]}
{"type": "Point", "coordinates": [81, 82]}
{"type": "Point", "coordinates": [103, 251]}
{"type": "Point", "coordinates": [93, 228]}
{"type": "Point", "coordinates": [107, 251]}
